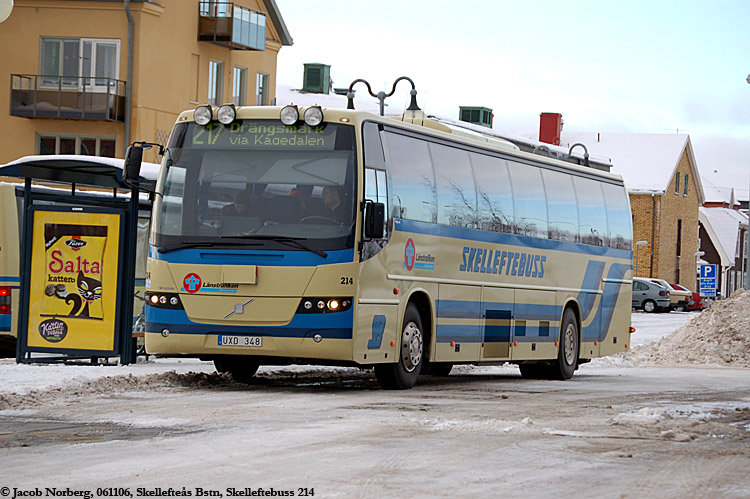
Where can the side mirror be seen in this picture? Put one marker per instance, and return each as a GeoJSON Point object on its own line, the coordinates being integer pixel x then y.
{"type": "Point", "coordinates": [133, 160]}
{"type": "Point", "coordinates": [374, 220]}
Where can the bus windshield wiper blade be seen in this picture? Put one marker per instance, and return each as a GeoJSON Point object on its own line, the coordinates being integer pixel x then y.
{"type": "Point", "coordinates": [201, 244]}
{"type": "Point", "coordinates": [289, 241]}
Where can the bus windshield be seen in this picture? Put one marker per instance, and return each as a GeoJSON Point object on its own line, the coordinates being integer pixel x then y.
{"type": "Point", "coordinates": [259, 182]}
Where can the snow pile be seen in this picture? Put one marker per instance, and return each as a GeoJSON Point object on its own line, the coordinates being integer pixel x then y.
{"type": "Point", "coordinates": [720, 335]}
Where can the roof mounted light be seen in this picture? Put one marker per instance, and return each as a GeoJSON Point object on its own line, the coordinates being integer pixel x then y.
{"type": "Point", "coordinates": [203, 114]}
{"type": "Point", "coordinates": [226, 114]}
{"type": "Point", "coordinates": [289, 115]}
{"type": "Point", "coordinates": [314, 116]}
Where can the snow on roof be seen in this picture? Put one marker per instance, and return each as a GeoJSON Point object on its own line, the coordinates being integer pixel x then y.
{"type": "Point", "coordinates": [645, 161]}
{"type": "Point", "coordinates": [149, 171]}
{"type": "Point", "coordinates": [723, 227]}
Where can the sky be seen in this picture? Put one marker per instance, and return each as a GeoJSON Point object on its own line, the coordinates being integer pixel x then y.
{"type": "Point", "coordinates": [653, 66]}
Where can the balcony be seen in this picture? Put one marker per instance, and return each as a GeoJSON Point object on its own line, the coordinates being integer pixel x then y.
{"type": "Point", "coordinates": [231, 25]}
{"type": "Point", "coordinates": [72, 97]}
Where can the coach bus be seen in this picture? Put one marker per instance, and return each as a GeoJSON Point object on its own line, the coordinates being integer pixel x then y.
{"type": "Point", "coordinates": [338, 237]}
{"type": "Point", "coordinates": [11, 227]}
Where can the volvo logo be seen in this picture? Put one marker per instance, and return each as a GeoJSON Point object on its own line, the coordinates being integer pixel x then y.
{"type": "Point", "coordinates": [239, 308]}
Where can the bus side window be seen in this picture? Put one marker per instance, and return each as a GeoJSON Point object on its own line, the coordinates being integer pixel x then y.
{"type": "Point", "coordinates": [456, 191]}
{"type": "Point", "coordinates": [529, 200]}
{"type": "Point", "coordinates": [618, 217]}
{"type": "Point", "coordinates": [413, 188]}
{"type": "Point", "coordinates": [591, 209]}
{"type": "Point", "coordinates": [562, 207]}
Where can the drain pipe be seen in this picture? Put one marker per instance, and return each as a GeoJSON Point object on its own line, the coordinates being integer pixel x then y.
{"type": "Point", "coordinates": [129, 76]}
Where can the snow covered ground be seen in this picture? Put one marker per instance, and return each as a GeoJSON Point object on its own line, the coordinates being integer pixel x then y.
{"type": "Point", "coordinates": [153, 428]}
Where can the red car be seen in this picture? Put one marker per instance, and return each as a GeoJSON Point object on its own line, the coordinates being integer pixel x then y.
{"type": "Point", "coordinates": [697, 303]}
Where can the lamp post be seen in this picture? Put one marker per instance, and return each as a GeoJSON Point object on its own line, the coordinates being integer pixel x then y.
{"type": "Point", "coordinates": [637, 247]}
{"type": "Point", "coordinates": [382, 95]}
{"type": "Point", "coordinates": [698, 254]}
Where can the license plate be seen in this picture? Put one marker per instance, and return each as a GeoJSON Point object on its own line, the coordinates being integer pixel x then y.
{"type": "Point", "coordinates": [240, 341]}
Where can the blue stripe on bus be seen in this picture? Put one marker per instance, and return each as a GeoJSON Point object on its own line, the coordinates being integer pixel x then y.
{"type": "Point", "coordinates": [269, 258]}
{"type": "Point", "coordinates": [5, 323]}
{"type": "Point", "coordinates": [336, 325]}
{"type": "Point", "coordinates": [10, 278]}
{"type": "Point", "coordinates": [448, 231]}
{"type": "Point", "coordinates": [464, 309]}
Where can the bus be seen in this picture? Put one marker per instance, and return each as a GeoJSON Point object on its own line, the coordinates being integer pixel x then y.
{"type": "Point", "coordinates": [391, 244]}
{"type": "Point", "coordinates": [11, 228]}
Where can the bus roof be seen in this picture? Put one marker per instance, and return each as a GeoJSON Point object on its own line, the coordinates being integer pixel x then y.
{"type": "Point", "coordinates": [418, 122]}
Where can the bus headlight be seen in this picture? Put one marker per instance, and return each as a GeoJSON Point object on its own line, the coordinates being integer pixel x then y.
{"type": "Point", "coordinates": [164, 300]}
{"type": "Point", "coordinates": [227, 114]}
{"type": "Point", "coordinates": [324, 305]}
{"type": "Point", "coordinates": [314, 116]}
{"type": "Point", "coordinates": [203, 114]}
{"type": "Point", "coordinates": [289, 115]}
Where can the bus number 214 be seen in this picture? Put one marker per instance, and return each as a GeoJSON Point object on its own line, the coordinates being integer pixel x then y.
{"type": "Point", "coordinates": [347, 280]}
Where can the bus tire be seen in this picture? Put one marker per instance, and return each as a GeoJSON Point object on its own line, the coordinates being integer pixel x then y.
{"type": "Point", "coordinates": [404, 373]}
{"type": "Point", "coordinates": [567, 355]}
{"type": "Point", "coordinates": [238, 366]}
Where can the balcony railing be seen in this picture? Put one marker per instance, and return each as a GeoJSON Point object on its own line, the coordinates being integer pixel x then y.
{"type": "Point", "coordinates": [231, 25]}
{"type": "Point", "coordinates": [74, 97]}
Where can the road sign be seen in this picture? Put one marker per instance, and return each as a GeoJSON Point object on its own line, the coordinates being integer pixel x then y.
{"type": "Point", "coordinates": [708, 283]}
{"type": "Point", "coordinates": [708, 271]}
{"type": "Point", "coordinates": [708, 292]}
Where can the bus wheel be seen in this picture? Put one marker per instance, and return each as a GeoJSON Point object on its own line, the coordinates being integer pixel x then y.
{"type": "Point", "coordinates": [238, 366]}
{"type": "Point", "coordinates": [567, 356]}
{"type": "Point", "coordinates": [404, 373]}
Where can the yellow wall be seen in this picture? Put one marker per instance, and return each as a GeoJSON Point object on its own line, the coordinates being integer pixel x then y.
{"type": "Point", "coordinates": [170, 65]}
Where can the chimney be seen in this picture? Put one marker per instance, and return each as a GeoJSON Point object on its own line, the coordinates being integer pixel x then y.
{"type": "Point", "coordinates": [550, 126]}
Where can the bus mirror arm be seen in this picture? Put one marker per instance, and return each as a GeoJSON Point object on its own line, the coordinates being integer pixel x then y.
{"type": "Point", "coordinates": [374, 220]}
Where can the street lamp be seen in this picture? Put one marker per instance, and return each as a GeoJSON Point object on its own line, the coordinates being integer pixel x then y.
{"type": "Point", "coordinates": [637, 247]}
{"type": "Point", "coordinates": [382, 95]}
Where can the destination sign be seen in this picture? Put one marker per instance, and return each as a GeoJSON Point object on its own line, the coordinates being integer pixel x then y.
{"type": "Point", "coordinates": [266, 134]}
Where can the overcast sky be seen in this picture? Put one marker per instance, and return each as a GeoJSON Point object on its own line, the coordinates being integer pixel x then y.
{"type": "Point", "coordinates": [622, 66]}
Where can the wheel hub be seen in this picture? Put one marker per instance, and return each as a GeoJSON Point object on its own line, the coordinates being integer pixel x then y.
{"type": "Point", "coordinates": [570, 344]}
{"type": "Point", "coordinates": [411, 347]}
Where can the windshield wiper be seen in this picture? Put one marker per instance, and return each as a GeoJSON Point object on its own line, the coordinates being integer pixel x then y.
{"type": "Point", "coordinates": [289, 241]}
{"type": "Point", "coordinates": [201, 244]}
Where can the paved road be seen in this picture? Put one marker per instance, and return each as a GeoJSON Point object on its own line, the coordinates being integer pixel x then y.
{"type": "Point", "coordinates": [630, 432]}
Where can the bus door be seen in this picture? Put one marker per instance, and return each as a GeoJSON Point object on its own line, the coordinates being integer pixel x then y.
{"type": "Point", "coordinates": [497, 315]}
{"type": "Point", "coordinates": [458, 331]}
{"type": "Point", "coordinates": [535, 325]}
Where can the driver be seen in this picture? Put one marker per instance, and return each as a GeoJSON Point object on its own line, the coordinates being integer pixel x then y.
{"type": "Point", "coordinates": [334, 208]}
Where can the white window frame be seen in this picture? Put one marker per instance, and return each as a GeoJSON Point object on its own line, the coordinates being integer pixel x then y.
{"type": "Point", "coordinates": [215, 82]}
{"type": "Point", "coordinates": [261, 89]}
{"type": "Point", "coordinates": [79, 77]}
{"type": "Point", "coordinates": [239, 86]}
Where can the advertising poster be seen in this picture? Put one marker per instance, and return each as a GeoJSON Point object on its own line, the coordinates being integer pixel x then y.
{"type": "Point", "coordinates": [73, 288]}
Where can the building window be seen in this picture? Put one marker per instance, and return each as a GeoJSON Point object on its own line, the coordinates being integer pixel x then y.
{"type": "Point", "coordinates": [76, 144]}
{"type": "Point", "coordinates": [677, 183]}
{"type": "Point", "coordinates": [261, 95]}
{"type": "Point", "coordinates": [684, 188]}
{"type": "Point", "coordinates": [239, 86]}
{"type": "Point", "coordinates": [215, 82]}
{"type": "Point", "coordinates": [79, 62]}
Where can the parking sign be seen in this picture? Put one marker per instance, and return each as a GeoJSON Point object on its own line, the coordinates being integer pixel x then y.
{"type": "Point", "coordinates": [708, 271]}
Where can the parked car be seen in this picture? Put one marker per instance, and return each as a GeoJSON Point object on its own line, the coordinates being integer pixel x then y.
{"type": "Point", "coordinates": [678, 299]}
{"type": "Point", "coordinates": [650, 296]}
{"type": "Point", "coordinates": [697, 302]}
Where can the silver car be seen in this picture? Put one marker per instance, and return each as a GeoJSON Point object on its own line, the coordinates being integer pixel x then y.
{"type": "Point", "coordinates": [649, 296]}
